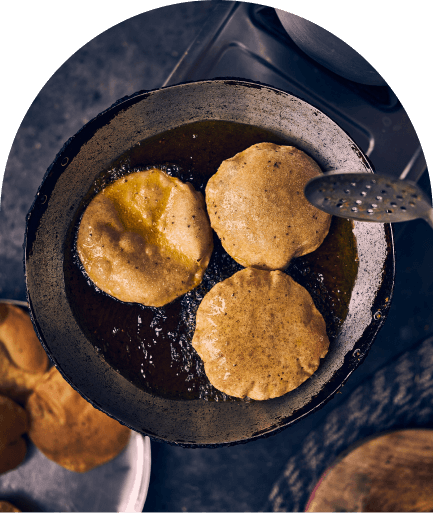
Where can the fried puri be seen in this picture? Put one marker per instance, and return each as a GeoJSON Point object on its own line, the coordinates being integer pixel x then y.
{"type": "Point", "coordinates": [259, 334]}
{"type": "Point", "coordinates": [23, 360]}
{"type": "Point", "coordinates": [146, 238]}
{"type": "Point", "coordinates": [256, 205]}
{"type": "Point", "coordinates": [13, 424]}
{"type": "Point", "coordinates": [69, 430]}
{"type": "Point", "coordinates": [7, 506]}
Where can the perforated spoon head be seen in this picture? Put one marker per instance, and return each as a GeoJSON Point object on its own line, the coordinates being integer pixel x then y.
{"type": "Point", "coordinates": [368, 197]}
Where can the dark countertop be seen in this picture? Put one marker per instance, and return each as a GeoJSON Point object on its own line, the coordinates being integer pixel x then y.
{"type": "Point", "coordinates": [139, 54]}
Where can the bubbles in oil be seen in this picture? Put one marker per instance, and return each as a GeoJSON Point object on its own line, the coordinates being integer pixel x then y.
{"type": "Point", "coordinates": [151, 347]}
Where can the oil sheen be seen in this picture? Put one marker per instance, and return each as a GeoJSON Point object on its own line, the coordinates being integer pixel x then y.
{"type": "Point", "coordinates": [151, 347]}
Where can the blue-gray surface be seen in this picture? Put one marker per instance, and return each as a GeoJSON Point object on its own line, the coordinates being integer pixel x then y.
{"type": "Point", "coordinates": [139, 54]}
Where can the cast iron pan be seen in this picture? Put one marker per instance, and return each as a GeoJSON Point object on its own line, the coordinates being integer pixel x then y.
{"type": "Point", "coordinates": [195, 422]}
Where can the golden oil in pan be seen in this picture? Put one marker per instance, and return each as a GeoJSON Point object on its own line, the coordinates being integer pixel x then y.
{"type": "Point", "coordinates": [151, 346]}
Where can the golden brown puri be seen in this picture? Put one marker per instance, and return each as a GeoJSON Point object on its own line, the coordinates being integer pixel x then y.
{"type": "Point", "coordinates": [13, 424]}
{"type": "Point", "coordinates": [146, 238]}
{"type": "Point", "coordinates": [259, 334]}
{"type": "Point", "coordinates": [68, 429]}
{"type": "Point", "coordinates": [256, 204]}
{"type": "Point", "coordinates": [20, 340]}
{"type": "Point", "coordinates": [6, 506]}
{"type": "Point", "coordinates": [23, 361]}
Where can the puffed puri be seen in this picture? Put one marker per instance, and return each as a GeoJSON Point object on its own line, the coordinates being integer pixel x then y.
{"type": "Point", "coordinates": [146, 238]}
{"type": "Point", "coordinates": [7, 506]}
{"type": "Point", "coordinates": [256, 205]}
{"type": "Point", "coordinates": [69, 430]}
{"type": "Point", "coordinates": [13, 424]}
{"type": "Point", "coordinates": [23, 361]}
{"type": "Point", "coordinates": [259, 334]}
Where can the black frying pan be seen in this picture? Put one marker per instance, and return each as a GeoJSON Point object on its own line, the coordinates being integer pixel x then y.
{"type": "Point", "coordinates": [194, 422]}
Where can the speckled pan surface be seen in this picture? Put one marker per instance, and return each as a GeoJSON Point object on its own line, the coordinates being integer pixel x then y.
{"type": "Point", "coordinates": [195, 422]}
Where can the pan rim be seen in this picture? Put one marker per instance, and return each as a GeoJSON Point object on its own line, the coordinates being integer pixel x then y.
{"type": "Point", "coordinates": [42, 201]}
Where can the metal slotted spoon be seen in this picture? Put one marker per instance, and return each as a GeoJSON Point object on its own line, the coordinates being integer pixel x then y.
{"type": "Point", "coordinates": [369, 197]}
